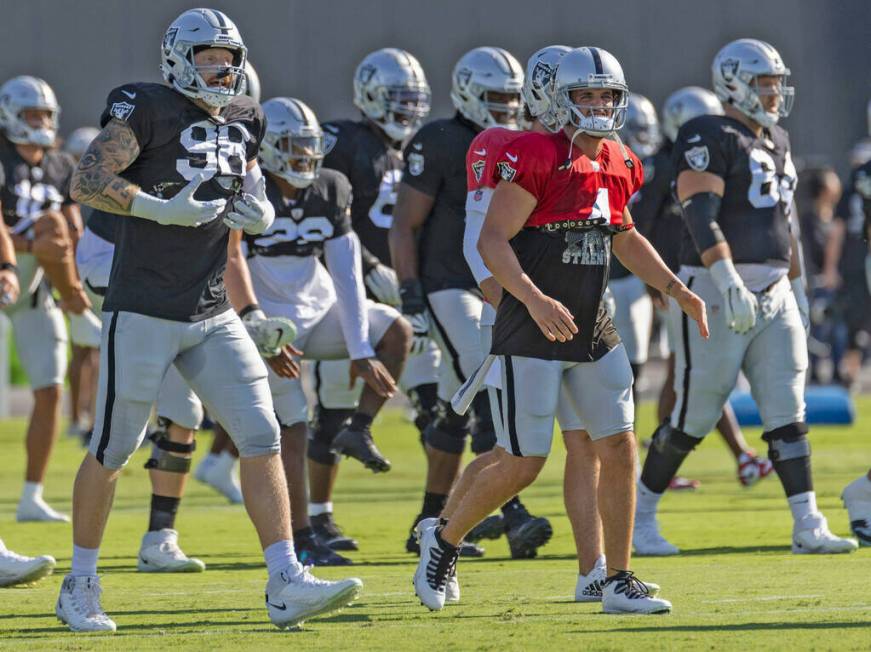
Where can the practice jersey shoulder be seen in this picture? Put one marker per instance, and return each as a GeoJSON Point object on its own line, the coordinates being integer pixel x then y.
{"type": "Point", "coordinates": [301, 227]}
{"type": "Point", "coordinates": [374, 170]}
{"type": "Point", "coordinates": [482, 155]}
{"type": "Point", "coordinates": [759, 178]}
{"type": "Point", "coordinates": [26, 190]}
{"type": "Point", "coordinates": [175, 272]}
{"type": "Point", "coordinates": [435, 164]}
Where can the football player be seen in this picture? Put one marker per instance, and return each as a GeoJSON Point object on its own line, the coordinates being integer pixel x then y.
{"type": "Point", "coordinates": [393, 96]}
{"type": "Point", "coordinates": [556, 213]}
{"type": "Point", "coordinates": [177, 164]}
{"type": "Point", "coordinates": [37, 208]}
{"type": "Point", "coordinates": [439, 293]}
{"type": "Point", "coordinates": [735, 181]}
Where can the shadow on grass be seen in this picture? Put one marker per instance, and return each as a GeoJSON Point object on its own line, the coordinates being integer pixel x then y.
{"type": "Point", "coordinates": [730, 628]}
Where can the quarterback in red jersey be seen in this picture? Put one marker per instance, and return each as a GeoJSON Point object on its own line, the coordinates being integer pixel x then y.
{"type": "Point", "coordinates": [556, 213]}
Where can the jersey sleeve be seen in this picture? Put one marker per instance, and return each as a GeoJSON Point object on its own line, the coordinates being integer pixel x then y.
{"type": "Point", "coordinates": [475, 163]}
{"type": "Point", "coordinates": [701, 147]}
{"type": "Point", "coordinates": [130, 104]}
{"type": "Point", "coordinates": [528, 162]}
{"type": "Point", "coordinates": [424, 163]}
{"type": "Point", "coordinates": [69, 166]}
{"type": "Point", "coordinates": [342, 198]}
{"type": "Point", "coordinates": [2, 176]}
{"type": "Point", "coordinates": [336, 148]}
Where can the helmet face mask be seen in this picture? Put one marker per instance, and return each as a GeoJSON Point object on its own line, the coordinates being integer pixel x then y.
{"type": "Point", "coordinates": [293, 146]}
{"type": "Point", "coordinates": [590, 92]}
{"type": "Point", "coordinates": [29, 112]}
{"type": "Point", "coordinates": [486, 88]}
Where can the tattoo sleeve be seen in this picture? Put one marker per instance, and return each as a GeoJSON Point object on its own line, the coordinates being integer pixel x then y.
{"type": "Point", "coordinates": [95, 181]}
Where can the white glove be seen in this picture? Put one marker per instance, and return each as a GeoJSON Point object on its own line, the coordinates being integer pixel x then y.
{"type": "Point", "coordinates": [803, 305]}
{"type": "Point", "coordinates": [740, 303]}
{"type": "Point", "coordinates": [181, 210]}
{"type": "Point", "coordinates": [270, 334]}
{"type": "Point", "coordinates": [251, 213]}
{"type": "Point", "coordinates": [383, 284]}
{"type": "Point", "coordinates": [420, 332]}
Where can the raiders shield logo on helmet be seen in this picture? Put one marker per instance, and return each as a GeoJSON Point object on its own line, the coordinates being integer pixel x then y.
{"type": "Point", "coordinates": [729, 68]}
{"type": "Point", "coordinates": [464, 76]}
{"type": "Point", "coordinates": [542, 74]}
{"type": "Point", "coordinates": [415, 164]}
{"type": "Point", "coordinates": [698, 158]}
{"type": "Point", "coordinates": [366, 73]}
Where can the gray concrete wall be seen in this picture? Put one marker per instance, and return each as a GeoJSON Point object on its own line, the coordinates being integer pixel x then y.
{"type": "Point", "coordinates": [309, 49]}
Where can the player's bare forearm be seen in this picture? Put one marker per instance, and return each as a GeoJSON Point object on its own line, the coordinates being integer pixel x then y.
{"type": "Point", "coordinates": [411, 210]}
{"type": "Point", "coordinates": [639, 257]}
{"type": "Point", "coordinates": [73, 216]}
{"type": "Point", "coordinates": [95, 181]}
{"type": "Point", "coordinates": [492, 291]}
{"type": "Point", "coordinates": [7, 249]}
{"type": "Point", "coordinates": [237, 278]}
{"type": "Point", "coordinates": [795, 270]}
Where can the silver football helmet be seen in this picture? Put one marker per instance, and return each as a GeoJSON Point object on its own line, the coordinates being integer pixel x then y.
{"type": "Point", "coordinates": [293, 145]}
{"type": "Point", "coordinates": [736, 70]}
{"type": "Point", "coordinates": [480, 73]}
{"type": "Point", "coordinates": [198, 29]}
{"type": "Point", "coordinates": [641, 130]}
{"type": "Point", "coordinates": [22, 93]}
{"type": "Point", "coordinates": [390, 88]}
{"type": "Point", "coordinates": [252, 82]}
{"type": "Point", "coordinates": [538, 83]}
{"type": "Point", "coordinates": [685, 104]}
{"type": "Point", "coordinates": [77, 143]}
{"type": "Point", "coordinates": [591, 68]}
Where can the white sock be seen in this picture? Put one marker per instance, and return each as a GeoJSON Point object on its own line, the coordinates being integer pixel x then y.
{"type": "Point", "coordinates": [210, 459]}
{"type": "Point", "coordinates": [226, 461]}
{"type": "Point", "coordinates": [32, 491]}
{"type": "Point", "coordinates": [2, 546]}
{"type": "Point", "coordinates": [280, 556]}
{"type": "Point", "coordinates": [647, 501]}
{"type": "Point", "coordinates": [802, 504]}
{"type": "Point", "coordinates": [84, 561]}
{"type": "Point", "coordinates": [316, 509]}
{"type": "Point", "coordinates": [599, 563]}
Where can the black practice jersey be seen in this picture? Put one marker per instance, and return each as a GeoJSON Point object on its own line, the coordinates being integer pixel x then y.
{"type": "Point", "coordinates": [321, 212]}
{"type": "Point", "coordinates": [435, 164]}
{"type": "Point", "coordinates": [657, 213]}
{"type": "Point", "coordinates": [100, 222]}
{"type": "Point", "coordinates": [855, 211]}
{"type": "Point", "coordinates": [28, 190]}
{"type": "Point", "coordinates": [759, 180]}
{"type": "Point", "coordinates": [177, 272]}
{"type": "Point", "coordinates": [374, 169]}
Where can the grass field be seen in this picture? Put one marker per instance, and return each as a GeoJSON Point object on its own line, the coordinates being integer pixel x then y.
{"type": "Point", "coordinates": [735, 587]}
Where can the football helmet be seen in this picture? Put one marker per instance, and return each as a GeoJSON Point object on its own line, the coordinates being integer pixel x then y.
{"type": "Point", "coordinates": [479, 73]}
{"type": "Point", "coordinates": [22, 93]}
{"type": "Point", "coordinates": [736, 69]}
{"type": "Point", "coordinates": [641, 130]}
{"type": "Point", "coordinates": [589, 67]}
{"type": "Point", "coordinates": [198, 29]}
{"type": "Point", "coordinates": [390, 88]}
{"type": "Point", "coordinates": [685, 104]}
{"type": "Point", "coordinates": [538, 81]}
{"type": "Point", "coordinates": [293, 145]}
{"type": "Point", "coordinates": [77, 143]}
{"type": "Point", "coordinates": [252, 82]}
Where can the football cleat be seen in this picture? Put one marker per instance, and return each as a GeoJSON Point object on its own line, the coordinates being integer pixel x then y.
{"type": "Point", "coordinates": [624, 593]}
{"type": "Point", "coordinates": [526, 533]}
{"type": "Point", "coordinates": [221, 475]}
{"type": "Point", "coordinates": [857, 501]}
{"type": "Point", "coordinates": [290, 602]}
{"type": "Point", "coordinates": [359, 445]}
{"type": "Point", "coordinates": [78, 605]}
{"type": "Point", "coordinates": [589, 587]}
{"type": "Point", "coordinates": [647, 540]}
{"type": "Point", "coordinates": [467, 549]}
{"type": "Point", "coordinates": [160, 553]}
{"type": "Point", "coordinates": [752, 469]}
{"type": "Point", "coordinates": [436, 565]}
{"type": "Point", "coordinates": [679, 483]}
{"type": "Point", "coordinates": [331, 534]}
{"type": "Point", "coordinates": [18, 569]}
{"type": "Point", "coordinates": [312, 551]}
{"type": "Point", "coordinates": [34, 508]}
{"type": "Point", "coordinates": [491, 527]}
{"type": "Point", "coordinates": [811, 535]}
{"type": "Point", "coordinates": [452, 586]}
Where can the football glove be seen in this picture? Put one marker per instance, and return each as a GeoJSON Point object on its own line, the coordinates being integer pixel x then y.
{"type": "Point", "coordinates": [740, 303]}
{"type": "Point", "coordinates": [414, 311]}
{"type": "Point", "coordinates": [382, 283]}
{"type": "Point", "coordinates": [253, 213]}
{"type": "Point", "coordinates": [803, 306]}
{"type": "Point", "coordinates": [270, 334]}
{"type": "Point", "coordinates": [181, 210]}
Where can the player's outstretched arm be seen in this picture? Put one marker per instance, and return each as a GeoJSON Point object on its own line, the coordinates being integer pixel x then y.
{"type": "Point", "coordinates": [95, 181]}
{"type": "Point", "coordinates": [8, 276]}
{"type": "Point", "coordinates": [509, 209]}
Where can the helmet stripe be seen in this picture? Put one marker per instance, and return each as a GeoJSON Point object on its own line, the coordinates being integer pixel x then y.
{"type": "Point", "coordinates": [219, 16]}
{"type": "Point", "coordinates": [597, 60]}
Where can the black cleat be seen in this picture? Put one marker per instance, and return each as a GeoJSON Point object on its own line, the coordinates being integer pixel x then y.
{"type": "Point", "coordinates": [491, 527]}
{"type": "Point", "coordinates": [359, 445]}
{"type": "Point", "coordinates": [331, 534]}
{"type": "Point", "coordinates": [311, 551]}
{"type": "Point", "coordinates": [526, 533]}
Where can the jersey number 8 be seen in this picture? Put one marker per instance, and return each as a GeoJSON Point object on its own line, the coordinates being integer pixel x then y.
{"type": "Point", "coordinates": [766, 186]}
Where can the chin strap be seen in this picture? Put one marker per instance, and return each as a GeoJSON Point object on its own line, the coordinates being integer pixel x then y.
{"type": "Point", "coordinates": [614, 136]}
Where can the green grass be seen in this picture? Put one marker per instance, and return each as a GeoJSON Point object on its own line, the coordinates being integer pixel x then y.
{"type": "Point", "coordinates": [735, 587]}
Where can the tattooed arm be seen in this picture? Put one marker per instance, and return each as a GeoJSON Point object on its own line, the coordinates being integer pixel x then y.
{"type": "Point", "coordinates": [95, 181]}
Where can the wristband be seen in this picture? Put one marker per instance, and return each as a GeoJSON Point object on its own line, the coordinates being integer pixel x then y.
{"type": "Point", "coordinates": [247, 310]}
{"type": "Point", "coordinates": [8, 266]}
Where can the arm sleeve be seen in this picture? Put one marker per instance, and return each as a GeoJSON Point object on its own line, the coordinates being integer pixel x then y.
{"type": "Point", "coordinates": [475, 214]}
{"type": "Point", "coordinates": [343, 261]}
{"type": "Point", "coordinates": [134, 111]}
{"type": "Point", "coordinates": [424, 164]}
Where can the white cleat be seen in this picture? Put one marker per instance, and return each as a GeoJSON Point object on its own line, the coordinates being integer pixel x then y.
{"type": "Point", "coordinates": [452, 586]}
{"type": "Point", "coordinates": [160, 553]}
{"type": "Point", "coordinates": [18, 569]}
{"type": "Point", "coordinates": [857, 501]}
{"type": "Point", "coordinates": [78, 605]}
{"type": "Point", "coordinates": [626, 594]}
{"type": "Point", "coordinates": [436, 565]}
{"type": "Point", "coordinates": [647, 540]}
{"type": "Point", "coordinates": [222, 476]}
{"type": "Point", "coordinates": [34, 508]}
{"type": "Point", "coordinates": [290, 602]}
{"type": "Point", "coordinates": [811, 535]}
{"type": "Point", "coordinates": [589, 587]}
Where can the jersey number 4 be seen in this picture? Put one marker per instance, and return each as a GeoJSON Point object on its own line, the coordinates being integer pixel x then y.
{"type": "Point", "coordinates": [213, 149]}
{"type": "Point", "coordinates": [766, 186]}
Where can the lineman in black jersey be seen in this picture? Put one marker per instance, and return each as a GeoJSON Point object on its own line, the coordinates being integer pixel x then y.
{"type": "Point", "coordinates": [333, 318]}
{"type": "Point", "coordinates": [735, 181]}
{"type": "Point", "coordinates": [392, 93]}
{"type": "Point", "coordinates": [170, 161]}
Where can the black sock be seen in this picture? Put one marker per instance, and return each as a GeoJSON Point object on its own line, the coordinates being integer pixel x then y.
{"type": "Point", "coordinates": [303, 534]}
{"type": "Point", "coordinates": [360, 421]}
{"type": "Point", "coordinates": [163, 510]}
{"type": "Point", "coordinates": [511, 505]}
{"type": "Point", "coordinates": [433, 504]}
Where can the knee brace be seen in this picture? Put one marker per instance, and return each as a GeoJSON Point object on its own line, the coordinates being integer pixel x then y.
{"type": "Point", "coordinates": [327, 424]}
{"type": "Point", "coordinates": [424, 400]}
{"type": "Point", "coordinates": [447, 433]}
{"type": "Point", "coordinates": [483, 430]}
{"type": "Point", "coordinates": [788, 442]}
{"type": "Point", "coordinates": [165, 454]}
{"type": "Point", "coordinates": [670, 448]}
{"type": "Point", "coordinates": [671, 440]}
